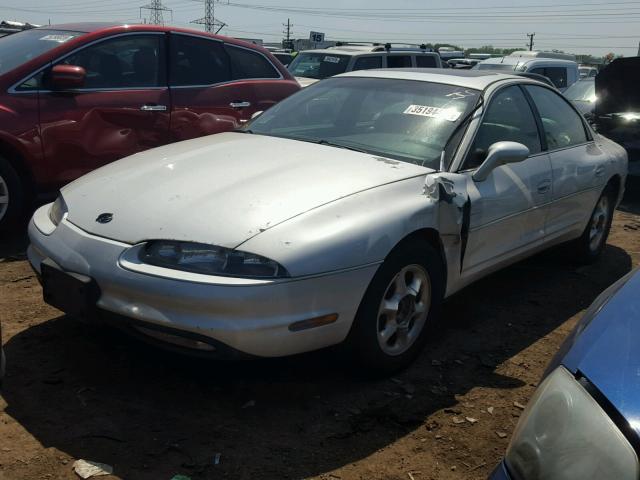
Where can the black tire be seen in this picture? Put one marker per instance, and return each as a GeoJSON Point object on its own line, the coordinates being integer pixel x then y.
{"type": "Point", "coordinates": [11, 186]}
{"type": "Point", "coordinates": [363, 343]}
{"type": "Point", "coordinates": [585, 249]}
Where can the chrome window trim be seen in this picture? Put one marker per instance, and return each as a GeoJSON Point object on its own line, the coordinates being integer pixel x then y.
{"type": "Point", "coordinates": [224, 44]}
{"type": "Point", "coordinates": [13, 87]}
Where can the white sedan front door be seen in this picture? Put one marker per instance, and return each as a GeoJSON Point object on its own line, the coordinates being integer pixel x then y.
{"type": "Point", "coordinates": [508, 209]}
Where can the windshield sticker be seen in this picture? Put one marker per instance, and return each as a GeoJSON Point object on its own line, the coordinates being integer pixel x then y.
{"type": "Point", "coordinates": [57, 38]}
{"type": "Point", "coordinates": [450, 114]}
{"type": "Point", "coordinates": [331, 59]}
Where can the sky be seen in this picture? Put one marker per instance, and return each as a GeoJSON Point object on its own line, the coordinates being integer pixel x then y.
{"type": "Point", "coordinates": [595, 26]}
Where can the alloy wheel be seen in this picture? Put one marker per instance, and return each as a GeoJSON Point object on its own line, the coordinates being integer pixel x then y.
{"type": "Point", "coordinates": [403, 310]}
{"type": "Point", "coordinates": [4, 197]}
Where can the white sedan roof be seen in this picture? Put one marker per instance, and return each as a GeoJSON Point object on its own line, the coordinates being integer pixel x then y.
{"type": "Point", "coordinates": [476, 79]}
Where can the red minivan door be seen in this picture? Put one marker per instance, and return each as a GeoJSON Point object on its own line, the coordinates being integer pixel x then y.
{"type": "Point", "coordinates": [123, 107]}
{"type": "Point", "coordinates": [213, 84]}
{"type": "Point", "coordinates": [205, 99]}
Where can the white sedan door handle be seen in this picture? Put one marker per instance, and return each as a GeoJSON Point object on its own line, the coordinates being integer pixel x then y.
{"type": "Point", "coordinates": [544, 186]}
{"type": "Point", "coordinates": [240, 104]}
{"type": "Point", "coordinates": [153, 108]}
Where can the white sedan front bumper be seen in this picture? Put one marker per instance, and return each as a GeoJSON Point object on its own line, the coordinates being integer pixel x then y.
{"type": "Point", "coordinates": [250, 316]}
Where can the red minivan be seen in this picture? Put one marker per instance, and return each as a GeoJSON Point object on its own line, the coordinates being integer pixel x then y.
{"type": "Point", "coordinates": [77, 96]}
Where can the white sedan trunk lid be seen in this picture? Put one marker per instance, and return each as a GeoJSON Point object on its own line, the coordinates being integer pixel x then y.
{"type": "Point", "coordinates": [221, 189]}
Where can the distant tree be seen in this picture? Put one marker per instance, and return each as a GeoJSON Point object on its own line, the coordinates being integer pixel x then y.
{"type": "Point", "coordinates": [491, 50]}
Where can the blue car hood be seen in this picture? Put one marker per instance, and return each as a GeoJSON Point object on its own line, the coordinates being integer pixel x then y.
{"type": "Point", "coordinates": [607, 352]}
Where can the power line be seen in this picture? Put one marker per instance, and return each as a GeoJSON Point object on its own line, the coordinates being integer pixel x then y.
{"type": "Point", "coordinates": [570, 16]}
{"type": "Point", "coordinates": [548, 35]}
{"type": "Point", "coordinates": [484, 8]}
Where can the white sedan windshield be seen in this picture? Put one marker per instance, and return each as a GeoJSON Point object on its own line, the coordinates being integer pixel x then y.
{"type": "Point", "coordinates": [405, 120]}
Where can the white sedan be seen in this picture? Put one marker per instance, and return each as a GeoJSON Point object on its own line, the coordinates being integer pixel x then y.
{"type": "Point", "coordinates": [346, 213]}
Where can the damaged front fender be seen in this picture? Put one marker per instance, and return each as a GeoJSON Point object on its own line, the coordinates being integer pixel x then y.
{"type": "Point", "coordinates": [452, 216]}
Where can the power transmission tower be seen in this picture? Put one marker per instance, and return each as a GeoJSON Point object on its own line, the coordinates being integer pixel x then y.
{"type": "Point", "coordinates": [209, 20]}
{"type": "Point", "coordinates": [288, 32]}
{"type": "Point", "coordinates": [531, 35]}
{"type": "Point", "coordinates": [155, 11]}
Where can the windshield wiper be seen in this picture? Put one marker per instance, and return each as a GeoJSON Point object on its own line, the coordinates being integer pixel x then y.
{"type": "Point", "coordinates": [341, 145]}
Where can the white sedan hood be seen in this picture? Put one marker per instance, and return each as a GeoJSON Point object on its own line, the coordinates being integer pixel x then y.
{"type": "Point", "coordinates": [306, 81]}
{"type": "Point", "coordinates": [221, 189]}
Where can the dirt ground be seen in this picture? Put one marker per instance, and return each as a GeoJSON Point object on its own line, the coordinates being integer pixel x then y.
{"type": "Point", "coordinates": [77, 390]}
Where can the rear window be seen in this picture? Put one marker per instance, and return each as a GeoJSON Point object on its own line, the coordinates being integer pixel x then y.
{"type": "Point", "coordinates": [318, 65]}
{"type": "Point", "coordinates": [425, 61]}
{"type": "Point", "coordinates": [196, 61]}
{"type": "Point", "coordinates": [367, 63]}
{"type": "Point", "coordinates": [248, 64]}
{"type": "Point", "coordinates": [557, 75]}
{"type": "Point", "coordinates": [22, 47]}
{"type": "Point", "coordinates": [398, 61]}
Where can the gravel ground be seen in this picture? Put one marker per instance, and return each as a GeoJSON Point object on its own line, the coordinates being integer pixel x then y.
{"type": "Point", "coordinates": [78, 390]}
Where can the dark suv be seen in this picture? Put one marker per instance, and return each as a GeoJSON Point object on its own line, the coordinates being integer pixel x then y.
{"type": "Point", "coordinates": [77, 96]}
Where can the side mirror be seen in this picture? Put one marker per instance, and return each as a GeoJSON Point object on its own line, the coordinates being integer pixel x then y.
{"type": "Point", "coordinates": [500, 153]}
{"type": "Point", "coordinates": [256, 114]}
{"type": "Point", "coordinates": [65, 77]}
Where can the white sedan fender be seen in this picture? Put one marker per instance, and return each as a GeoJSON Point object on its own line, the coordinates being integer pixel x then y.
{"type": "Point", "coordinates": [361, 230]}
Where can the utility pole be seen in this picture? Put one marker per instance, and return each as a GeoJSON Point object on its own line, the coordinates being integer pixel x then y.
{"type": "Point", "coordinates": [288, 32]}
{"type": "Point", "coordinates": [155, 11]}
{"type": "Point", "coordinates": [211, 24]}
{"type": "Point", "coordinates": [531, 35]}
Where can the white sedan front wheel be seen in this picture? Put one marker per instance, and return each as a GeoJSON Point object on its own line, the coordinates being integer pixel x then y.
{"type": "Point", "coordinates": [400, 305]}
{"type": "Point", "coordinates": [403, 310]}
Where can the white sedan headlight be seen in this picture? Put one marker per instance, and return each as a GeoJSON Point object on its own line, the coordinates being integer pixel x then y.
{"type": "Point", "coordinates": [57, 210]}
{"type": "Point", "coordinates": [564, 434]}
{"type": "Point", "coordinates": [209, 260]}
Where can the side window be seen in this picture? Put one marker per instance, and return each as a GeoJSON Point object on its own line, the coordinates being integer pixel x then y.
{"type": "Point", "coordinates": [32, 84]}
{"type": "Point", "coordinates": [248, 64]}
{"type": "Point", "coordinates": [563, 126]}
{"type": "Point", "coordinates": [132, 61]}
{"type": "Point", "coordinates": [508, 118]}
{"type": "Point", "coordinates": [197, 61]}
{"type": "Point", "coordinates": [425, 61]}
{"type": "Point", "coordinates": [539, 71]}
{"type": "Point", "coordinates": [398, 61]}
{"type": "Point", "coordinates": [557, 75]}
{"type": "Point", "coordinates": [367, 63]}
